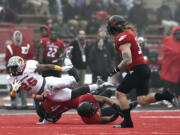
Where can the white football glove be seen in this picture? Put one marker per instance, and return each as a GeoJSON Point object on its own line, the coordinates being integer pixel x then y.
{"type": "Point", "coordinates": [66, 68]}
{"type": "Point", "coordinates": [16, 85]}
{"type": "Point", "coordinates": [67, 62]}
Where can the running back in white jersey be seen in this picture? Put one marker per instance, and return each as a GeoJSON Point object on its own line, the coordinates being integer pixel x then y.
{"type": "Point", "coordinates": [31, 81]}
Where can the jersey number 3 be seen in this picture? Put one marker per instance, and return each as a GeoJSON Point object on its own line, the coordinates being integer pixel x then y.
{"type": "Point", "coordinates": [140, 50]}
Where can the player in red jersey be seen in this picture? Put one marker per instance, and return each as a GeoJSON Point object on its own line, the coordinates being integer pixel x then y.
{"type": "Point", "coordinates": [52, 48]}
{"type": "Point", "coordinates": [89, 107]}
{"type": "Point", "coordinates": [138, 72]}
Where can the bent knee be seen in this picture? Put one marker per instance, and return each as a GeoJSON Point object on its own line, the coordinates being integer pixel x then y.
{"type": "Point", "coordinates": [142, 100]}
{"type": "Point", "coordinates": [120, 94]}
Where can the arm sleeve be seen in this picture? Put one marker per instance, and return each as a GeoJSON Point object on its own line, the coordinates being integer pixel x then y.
{"type": "Point", "coordinates": [8, 53]}
{"type": "Point", "coordinates": [123, 39]}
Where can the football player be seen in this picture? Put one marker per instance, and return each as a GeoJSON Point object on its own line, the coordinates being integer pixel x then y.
{"type": "Point", "coordinates": [51, 111]}
{"type": "Point", "coordinates": [52, 49]}
{"type": "Point", "coordinates": [138, 73]}
{"type": "Point", "coordinates": [90, 107]}
{"type": "Point", "coordinates": [24, 75]}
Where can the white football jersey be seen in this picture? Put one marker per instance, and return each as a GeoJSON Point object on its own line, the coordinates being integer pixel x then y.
{"type": "Point", "coordinates": [31, 81]}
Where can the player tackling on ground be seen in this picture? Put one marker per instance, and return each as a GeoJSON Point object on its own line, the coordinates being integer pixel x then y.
{"type": "Point", "coordinates": [25, 75]}
{"type": "Point", "coordinates": [138, 73]}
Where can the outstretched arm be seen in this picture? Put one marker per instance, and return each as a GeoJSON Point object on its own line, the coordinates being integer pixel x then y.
{"type": "Point", "coordinates": [42, 67]}
{"type": "Point", "coordinates": [103, 99]}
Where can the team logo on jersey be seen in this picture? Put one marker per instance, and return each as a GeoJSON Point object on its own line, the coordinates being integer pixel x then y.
{"type": "Point", "coordinates": [53, 108]}
{"type": "Point", "coordinates": [122, 37]}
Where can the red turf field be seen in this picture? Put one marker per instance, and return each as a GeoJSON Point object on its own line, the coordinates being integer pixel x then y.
{"type": "Point", "coordinates": [146, 123]}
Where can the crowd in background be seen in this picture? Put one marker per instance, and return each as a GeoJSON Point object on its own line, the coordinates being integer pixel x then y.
{"type": "Point", "coordinates": [76, 19]}
{"type": "Point", "coordinates": [89, 15]}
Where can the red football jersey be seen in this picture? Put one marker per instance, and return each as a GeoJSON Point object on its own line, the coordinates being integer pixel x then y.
{"type": "Point", "coordinates": [60, 107]}
{"type": "Point", "coordinates": [96, 118]}
{"type": "Point", "coordinates": [24, 50]}
{"type": "Point", "coordinates": [136, 52]}
{"type": "Point", "coordinates": [52, 49]}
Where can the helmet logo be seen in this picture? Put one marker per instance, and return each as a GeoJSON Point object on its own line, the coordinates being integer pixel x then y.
{"type": "Point", "coordinates": [114, 23]}
{"type": "Point", "coordinates": [19, 61]}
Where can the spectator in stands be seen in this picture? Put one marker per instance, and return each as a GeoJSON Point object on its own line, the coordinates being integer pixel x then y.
{"type": "Point", "coordinates": [80, 54]}
{"type": "Point", "coordinates": [19, 48]}
{"type": "Point", "coordinates": [40, 6]}
{"type": "Point", "coordinates": [59, 7]}
{"type": "Point", "coordinates": [177, 14]}
{"type": "Point", "coordinates": [171, 61]}
{"type": "Point", "coordinates": [164, 12]}
{"type": "Point", "coordinates": [128, 3]}
{"type": "Point", "coordinates": [52, 49]}
{"type": "Point", "coordinates": [99, 60]}
{"type": "Point", "coordinates": [8, 15]}
{"type": "Point", "coordinates": [63, 30]}
{"type": "Point", "coordinates": [87, 10]}
{"type": "Point", "coordinates": [72, 16]}
{"type": "Point", "coordinates": [164, 16]}
{"type": "Point", "coordinates": [109, 45]}
{"type": "Point", "coordinates": [93, 26]}
{"type": "Point", "coordinates": [117, 7]}
{"type": "Point", "coordinates": [138, 16]}
{"type": "Point", "coordinates": [15, 5]}
{"type": "Point", "coordinates": [112, 7]}
{"type": "Point", "coordinates": [70, 11]}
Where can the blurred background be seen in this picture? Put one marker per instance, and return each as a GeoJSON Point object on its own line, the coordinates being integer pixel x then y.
{"type": "Point", "coordinates": [82, 23]}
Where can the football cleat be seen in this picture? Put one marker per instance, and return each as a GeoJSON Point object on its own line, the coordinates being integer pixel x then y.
{"type": "Point", "coordinates": [175, 101]}
{"type": "Point", "coordinates": [44, 121]}
{"type": "Point", "coordinates": [124, 124]}
{"type": "Point", "coordinates": [172, 98]}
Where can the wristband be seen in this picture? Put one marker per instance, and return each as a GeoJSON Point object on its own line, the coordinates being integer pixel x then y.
{"type": "Point", "coordinates": [13, 93]}
{"type": "Point", "coordinates": [56, 67]}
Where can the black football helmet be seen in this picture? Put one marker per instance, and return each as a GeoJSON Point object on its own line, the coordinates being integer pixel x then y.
{"type": "Point", "coordinates": [115, 24]}
{"type": "Point", "coordinates": [43, 114]}
{"type": "Point", "coordinates": [87, 109]}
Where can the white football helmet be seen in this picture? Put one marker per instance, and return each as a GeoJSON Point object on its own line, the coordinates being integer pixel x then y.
{"type": "Point", "coordinates": [15, 65]}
